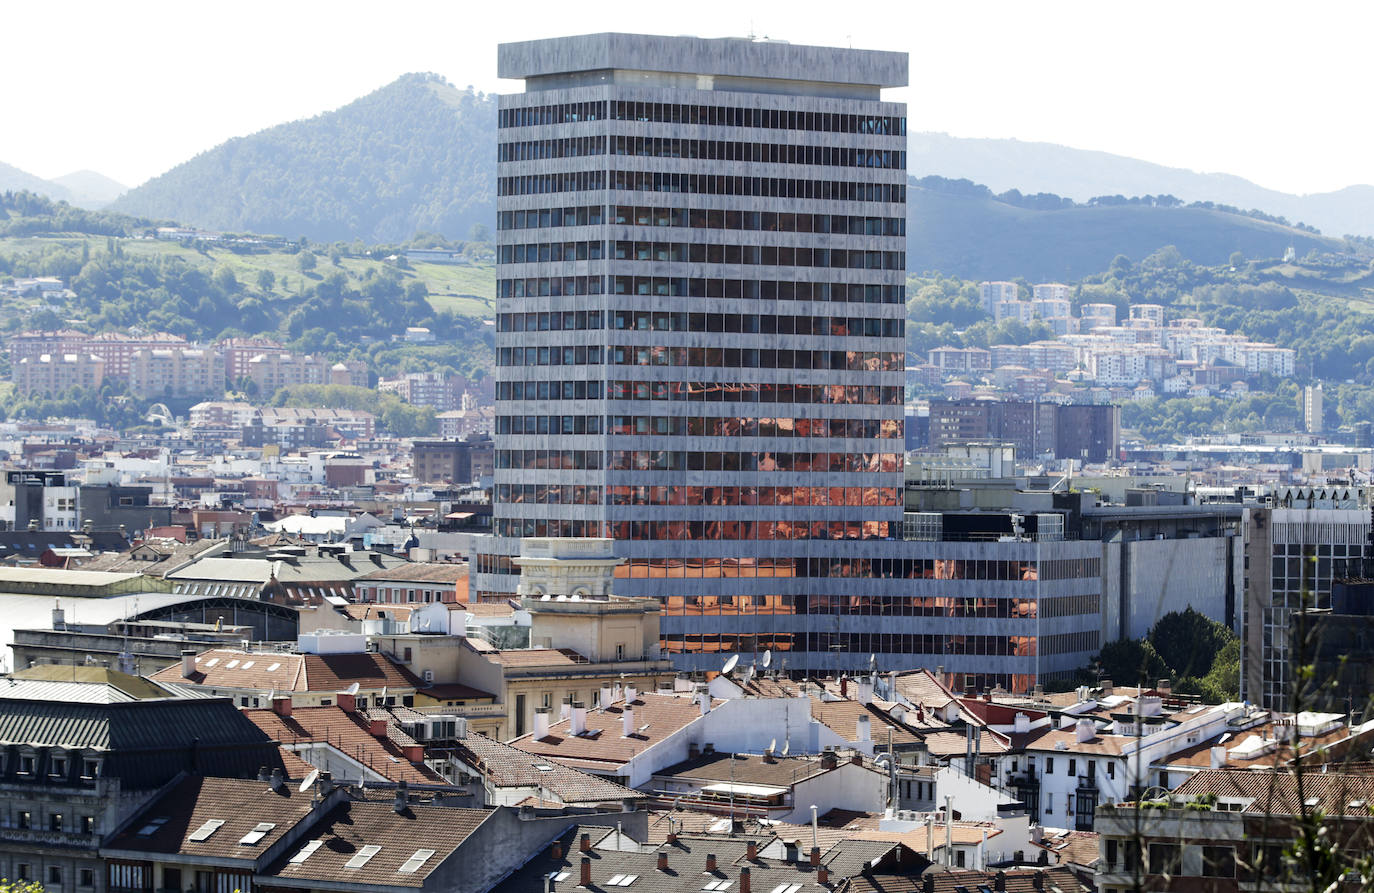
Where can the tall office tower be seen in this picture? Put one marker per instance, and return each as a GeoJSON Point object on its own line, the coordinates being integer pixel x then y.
{"type": "Point", "coordinates": [1294, 552]}
{"type": "Point", "coordinates": [700, 328]}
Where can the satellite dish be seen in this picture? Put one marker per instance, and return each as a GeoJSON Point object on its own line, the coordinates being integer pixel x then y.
{"type": "Point", "coordinates": [352, 689]}
{"type": "Point", "coordinates": [644, 728]}
{"type": "Point", "coordinates": [309, 780]}
{"type": "Point", "coordinates": [772, 745]}
{"type": "Point", "coordinates": [786, 746]}
{"type": "Point", "coordinates": [767, 658]}
{"type": "Point", "coordinates": [872, 661]}
{"type": "Point", "coordinates": [730, 665]}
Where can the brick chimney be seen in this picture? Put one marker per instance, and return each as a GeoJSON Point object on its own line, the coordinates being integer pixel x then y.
{"type": "Point", "coordinates": [815, 857]}
{"type": "Point", "coordinates": [376, 728]}
{"type": "Point", "coordinates": [585, 844]}
{"type": "Point", "coordinates": [556, 851]}
{"type": "Point", "coordinates": [662, 860]}
{"type": "Point", "coordinates": [348, 702]}
{"type": "Point", "coordinates": [744, 880]}
{"type": "Point", "coordinates": [585, 880]}
{"type": "Point", "coordinates": [281, 705]}
{"type": "Point", "coordinates": [710, 861]}
{"type": "Point", "coordinates": [752, 850]}
{"type": "Point", "coordinates": [415, 753]}
{"type": "Point", "coordinates": [823, 876]}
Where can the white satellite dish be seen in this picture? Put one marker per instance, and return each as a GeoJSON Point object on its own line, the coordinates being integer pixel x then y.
{"type": "Point", "coordinates": [644, 728]}
{"type": "Point", "coordinates": [786, 746]}
{"type": "Point", "coordinates": [309, 780]}
{"type": "Point", "coordinates": [730, 665]}
{"type": "Point", "coordinates": [767, 658]}
{"type": "Point", "coordinates": [872, 661]}
{"type": "Point", "coordinates": [352, 689]}
{"type": "Point", "coordinates": [772, 745]}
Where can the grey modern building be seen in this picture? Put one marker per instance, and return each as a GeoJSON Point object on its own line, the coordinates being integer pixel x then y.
{"type": "Point", "coordinates": [700, 329]}
{"type": "Point", "coordinates": [1296, 547]}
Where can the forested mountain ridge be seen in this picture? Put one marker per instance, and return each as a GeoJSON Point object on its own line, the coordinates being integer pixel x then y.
{"type": "Point", "coordinates": [1004, 164]}
{"type": "Point", "coordinates": [416, 155]}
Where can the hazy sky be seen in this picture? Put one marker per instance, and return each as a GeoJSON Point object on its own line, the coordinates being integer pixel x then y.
{"type": "Point", "coordinates": [1272, 92]}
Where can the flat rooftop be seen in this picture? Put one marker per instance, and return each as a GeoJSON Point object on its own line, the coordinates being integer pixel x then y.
{"type": "Point", "coordinates": [735, 57]}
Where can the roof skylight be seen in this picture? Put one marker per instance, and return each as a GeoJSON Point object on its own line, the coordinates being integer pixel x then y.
{"type": "Point", "coordinates": [205, 830]}
{"type": "Point", "coordinates": [362, 856]}
{"type": "Point", "coordinates": [306, 851]}
{"type": "Point", "coordinates": [413, 864]}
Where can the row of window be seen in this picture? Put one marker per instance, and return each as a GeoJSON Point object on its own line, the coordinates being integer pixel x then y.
{"type": "Point", "coordinates": [696, 460]}
{"type": "Point", "coordinates": [743, 323]}
{"type": "Point", "coordinates": [550, 286]}
{"type": "Point", "coordinates": [763, 187]}
{"type": "Point", "coordinates": [880, 644]}
{"type": "Point", "coordinates": [703, 218]}
{"type": "Point", "coordinates": [1071, 643]}
{"type": "Point", "coordinates": [737, 496]}
{"type": "Point", "coordinates": [549, 494]}
{"type": "Point", "coordinates": [549, 424]}
{"type": "Point", "coordinates": [759, 255]}
{"type": "Point", "coordinates": [550, 252]}
{"type": "Point", "coordinates": [751, 221]}
{"type": "Point", "coordinates": [538, 150]}
{"type": "Point", "coordinates": [707, 115]}
{"type": "Point", "coordinates": [737, 426]}
{"type": "Point", "coordinates": [549, 321]}
{"type": "Point", "coordinates": [542, 184]}
{"type": "Point", "coordinates": [549, 356]}
{"type": "Point", "coordinates": [730, 531]}
{"type": "Point", "coordinates": [751, 460]}
{"type": "Point", "coordinates": [23, 872]}
{"type": "Point", "coordinates": [563, 113]}
{"type": "Point", "coordinates": [750, 358]}
{"type": "Point", "coordinates": [753, 392]}
{"type": "Point", "coordinates": [988, 607]}
{"type": "Point", "coordinates": [85, 824]}
{"type": "Point", "coordinates": [549, 390]}
{"type": "Point", "coordinates": [1071, 605]}
{"type": "Point", "coordinates": [760, 289]}
{"type": "Point", "coordinates": [680, 287]}
{"type": "Point", "coordinates": [755, 152]}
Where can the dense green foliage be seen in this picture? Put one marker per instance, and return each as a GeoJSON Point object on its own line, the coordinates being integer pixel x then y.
{"type": "Point", "coordinates": [961, 229]}
{"type": "Point", "coordinates": [418, 154]}
{"type": "Point", "coordinates": [1198, 655]}
{"type": "Point", "coordinates": [25, 213]}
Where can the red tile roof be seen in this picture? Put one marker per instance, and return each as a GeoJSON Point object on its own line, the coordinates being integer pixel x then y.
{"type": "Point", "coordinates": [347, 733]}
{"type": "Point", "coordinates": [664, 714]}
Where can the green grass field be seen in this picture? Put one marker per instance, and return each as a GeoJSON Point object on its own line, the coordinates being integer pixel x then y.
{"type": "Point", "coordinates": [466, 289]}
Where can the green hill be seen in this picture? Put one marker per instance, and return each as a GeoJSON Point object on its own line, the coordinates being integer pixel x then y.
{"type": "Point", "coordinates": [417, 155]}
{"type": "Point", "coordinates": [961, 229]}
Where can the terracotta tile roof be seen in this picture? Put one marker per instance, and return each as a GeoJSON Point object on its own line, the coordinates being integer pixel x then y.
{"type": "Point", "coordinates": [420, 572]}
{"type": "Point", "coordinates": [1276, 792]}
{"type": "Point", "coordinates": [350, 826]}
{"type": "Point", "coordinates": [274, 671]}
{"type": "Point", "coordinates": [1015, 881]}
{"type": "Point", "coordinates": [372, 611]}
{"type": "Point", "coordinates": [1072, 848]}
{"type": "Point", "coordinates": [508, 767]}
{"type": "Point", "coordinates": [231, 668]}
{"type": "Point", "coordinates": [237, 804]}
{"type": "Point", "coordinates": [347, 733]}
{"type": "Point", "coordinates": [922, 688]}
{"type": "Point", "coordinates": [842, 717]}
{"type": "Point", "coordinates": [485, 609]}
{"type": "Point", "coordinates": [954, 743]}
{"type": "Point", "coordinates": [1281, 754]}
{"type": "Point", "coordinates": [1048, 740]}
{"type": "Point", "coordinates": [664, 714]}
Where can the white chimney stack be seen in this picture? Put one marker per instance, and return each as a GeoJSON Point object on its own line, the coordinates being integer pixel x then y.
{"type": "Point", "coordinates": [704, 701]}
{"type": "Point", "coordinates": [630, 693]}
{"type": "Point", "coordinates": [865, 726]}
{"type": "Point", "coordinates": [579, 718]}
{"type": "Point", "coordinates": [1085, 730]}
{"type": "Point", "coordinates": [188, 664]}
{"type": "Point", "coordinates": [1218, 756]}
{"type": "Point", "coordinates": [865, 692]}
{"type": "Point", "coordinates": [541, 723]}
{"type": "Point", "coordinates": [605, 696]}
{"type": "Point", "coordinates": [627, 721]}
{"type": "Point", "coordinates": [1021, 724]}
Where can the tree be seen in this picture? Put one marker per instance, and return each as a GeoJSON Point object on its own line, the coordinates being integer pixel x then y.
{"type": "Point", "coordinates": [266, 280]}
{"type": "Point", "coordinates": [1188, 642]}
{"type": "Point", "coordinates": [1129, 661]}
{"type": "Point", "coordinates": [305, 260]}
{"type": "Point", "coordinates": [479, 233]}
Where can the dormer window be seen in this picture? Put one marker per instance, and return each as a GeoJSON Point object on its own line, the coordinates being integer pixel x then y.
{"type": "Point", "coordinates": [58, 766]}
{"type": "Point", "coordinates": [26, 763]}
